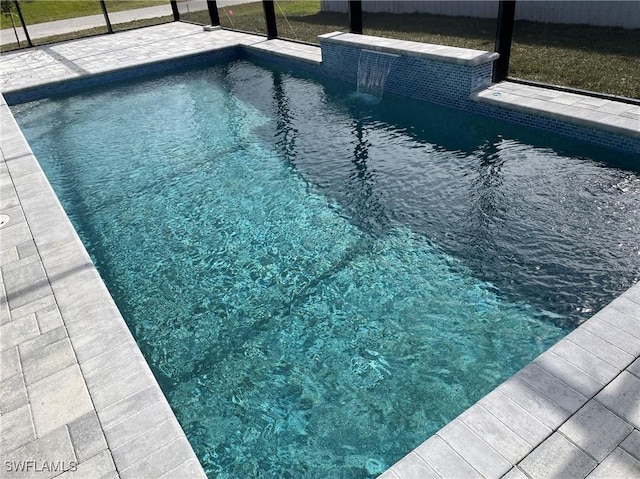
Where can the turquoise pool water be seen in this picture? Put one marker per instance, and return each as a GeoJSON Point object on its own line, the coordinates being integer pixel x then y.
{"type": "Point", "coordinates": [321, 281]}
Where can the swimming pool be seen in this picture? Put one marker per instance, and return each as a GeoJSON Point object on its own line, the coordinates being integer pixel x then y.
{"type": "Point", "coordinates": [294, 287]}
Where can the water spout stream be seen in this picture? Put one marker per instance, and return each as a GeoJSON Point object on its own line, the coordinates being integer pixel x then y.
{"type": "Point", "coordinates": [373, 70]}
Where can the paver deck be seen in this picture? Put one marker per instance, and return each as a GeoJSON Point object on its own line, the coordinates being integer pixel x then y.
{"type": "Point", "coordinates": [601, 113]}
{"type": "Point", "coordinates": [77, 394]}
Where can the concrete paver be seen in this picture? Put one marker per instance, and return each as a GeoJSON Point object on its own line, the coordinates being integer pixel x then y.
{"type": "Point", "coordinates": [617, 465]}
{"type": "Point", "coordinates": [596, 430]}
{"type": "Point", "coordinates": [526, 426]}
{"type": "Point", "coordinates": [31, 308]}
{"type": "Point", "coordinates": [139, 448]}
{"type": "Point", "coordinates": [98, 467]}
{"type": "Point", "coordinates": [188, 468]}
{"type": "Point", "coordinates": [119, 370]}
{"type": "Point", "coordinates": [58, 399]}
{"type": "Point", "coordinates": [18, 331]}
{"type": "Point", "coordinates": [623, 322]}
{"type": "Point", "coordinates": [586, 361]}
{"type": "Point", "coordinates": [285, 48]}
{"type": "Point", "coordinates": [557, 457]}
{"type": "Point", "coordinates": [635, 368]}
{"type": "Point", "coordinates": [553, 387]}
{"type": "Point", "coordinates": [10, 363]}
{"type": "Point", "coordinates": [25, 283]}
{"type": "Point", "coordinates": [598, 113]}
{"type": "Point", "coordinates": [45, 361]}
{"type": "Point", "coordinates": [125, 431]}
{"type": "Point", "coordinates": [123, 388]}
{"type": "Point", "coordinates": [631, 445]}
{"type": "Point", "coordinates": [161, 462]}
{"type": "Point", "coordinates": [621, 397]}
{"type": "Point", "coordinates": [609, 333]}
{"type": "Point", "coordinates": [482, 457]}
{"type": "Point", "coordinates": [87, 437]}
{"type": "Point", "coordinates": [443, 459]}
{"type": "Point", "coordinates": [129, 406]}
{"type": "Point", "coordinates": [569, 374]}
{"type": "Point", "coordinates": [605, 350]}
{"type": "Point", "coordinates": [43, 458]}
{"type": "Point", "coordinates": [411, 466]}
{"type": "Point", "coordinates": [16, 428]}
{"type": "Point", "coordinates": [495, 433]}
{"type": "Point", "coordinates": [13, 394]}
{"type": "Point", "coordinates": [515, 473]}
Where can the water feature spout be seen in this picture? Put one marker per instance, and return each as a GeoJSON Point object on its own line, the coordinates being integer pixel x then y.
{"type": "Point", "coordinates": [373, 70]}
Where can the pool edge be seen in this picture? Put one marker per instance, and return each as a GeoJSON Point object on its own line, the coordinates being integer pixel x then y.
{"type": "Point", "coordinates": [477, 422]}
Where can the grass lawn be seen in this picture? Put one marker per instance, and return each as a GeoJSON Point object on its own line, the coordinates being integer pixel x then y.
{"type": "Point", "coordinates": [38, 11]}
{"type": "Point", "coordinates": [591, 58]}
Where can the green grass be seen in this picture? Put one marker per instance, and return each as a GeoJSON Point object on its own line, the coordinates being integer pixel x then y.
{"type": "Point", "coordinates": [38, 11]}
{"type": "Point", "coordinates": [591, 58]}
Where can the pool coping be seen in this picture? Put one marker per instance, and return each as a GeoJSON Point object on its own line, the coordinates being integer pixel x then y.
{"type": "Point", "coordinates": [597, 113]}
{"type": "Point", "coordinates": [595, 367]}
{"type": "Point", "coordinates": [443, 53]}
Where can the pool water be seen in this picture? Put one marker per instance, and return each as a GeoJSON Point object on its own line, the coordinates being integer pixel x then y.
{"type": "Point", "coordinates": [322, 280]}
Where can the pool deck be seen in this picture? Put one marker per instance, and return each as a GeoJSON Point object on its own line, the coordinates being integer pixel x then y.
{"type": "Point", "coordinates": [77, 394]}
